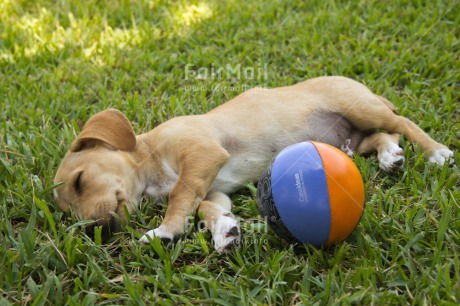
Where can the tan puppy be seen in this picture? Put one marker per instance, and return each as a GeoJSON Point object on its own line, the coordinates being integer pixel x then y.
{"type": "Point", "coordinates": [198, 160]}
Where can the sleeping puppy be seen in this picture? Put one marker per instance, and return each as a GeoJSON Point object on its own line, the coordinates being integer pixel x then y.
{"type": "Point", "coordinates": [199, 160]}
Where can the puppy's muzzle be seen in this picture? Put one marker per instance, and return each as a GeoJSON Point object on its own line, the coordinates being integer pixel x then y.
{"type": "Point", "coordinates": [108, 227]}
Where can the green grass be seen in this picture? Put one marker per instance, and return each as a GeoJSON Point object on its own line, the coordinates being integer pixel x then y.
{"type": "Point", "coordinates": [61, 61]}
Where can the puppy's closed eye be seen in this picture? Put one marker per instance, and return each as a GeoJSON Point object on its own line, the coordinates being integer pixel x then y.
{"type": "Point", "coordinates": [77, 183]}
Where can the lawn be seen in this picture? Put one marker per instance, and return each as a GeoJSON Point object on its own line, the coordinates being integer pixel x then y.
{"type": "Point", "coordinates": [62, 61]}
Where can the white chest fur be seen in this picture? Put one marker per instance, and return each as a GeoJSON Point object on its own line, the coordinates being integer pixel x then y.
{"type": "Point", "coordinates": [158, 188]}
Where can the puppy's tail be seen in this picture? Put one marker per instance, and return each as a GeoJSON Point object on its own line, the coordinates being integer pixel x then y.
{"type": "Point", "coordinates": [388, 104]}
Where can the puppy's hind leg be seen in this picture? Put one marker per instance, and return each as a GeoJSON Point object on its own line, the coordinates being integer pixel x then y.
{"type": "Point", "coordinates": [389, 153]}
{"type": "Point", "coordinates": [436, 153]}
{"type": "Point", "coordinates": [215, 211]}
{"type": "Point", "coordinates": [371, 112]}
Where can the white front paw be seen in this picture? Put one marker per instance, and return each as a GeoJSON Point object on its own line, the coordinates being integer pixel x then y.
{"type": "Point", "coordinates": [391, 158]}
{"type": "Point", "coordinates": [441, 156]}
{"type": "Point", "coordinates": [159, 232]}
{"type": "Point", "coordinates": [226, 233]}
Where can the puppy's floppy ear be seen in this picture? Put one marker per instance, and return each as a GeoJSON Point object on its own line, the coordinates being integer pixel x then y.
{"type": "Point", "coordinates": [109, 126]}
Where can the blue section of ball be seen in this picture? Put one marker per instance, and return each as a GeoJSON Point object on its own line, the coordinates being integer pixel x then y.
{"type": "Point", "coordinates": [300, 193]}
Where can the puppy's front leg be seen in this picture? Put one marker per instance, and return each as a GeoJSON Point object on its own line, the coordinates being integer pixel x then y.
{"type": "Point", "coordinates": [215, 211]}
{"type": "Point", "coordinates": [199, 163]}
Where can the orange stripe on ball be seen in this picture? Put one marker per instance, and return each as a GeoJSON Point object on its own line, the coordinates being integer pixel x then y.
{"type": "Point", "coordinates": [346, 192]}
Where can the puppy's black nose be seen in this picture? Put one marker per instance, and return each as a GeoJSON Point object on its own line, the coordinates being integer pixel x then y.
{"type": "Point", "coordinates": [108, 227]}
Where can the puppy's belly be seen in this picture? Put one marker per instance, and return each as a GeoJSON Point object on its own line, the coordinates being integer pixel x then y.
{"type": "Point", "coordinates": [334, 129]}
{"type": "Point", "coordinates": [249, 160]}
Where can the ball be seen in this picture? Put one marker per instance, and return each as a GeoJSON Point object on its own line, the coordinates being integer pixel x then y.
{"type": "Point", "coordinates": [311, 193]}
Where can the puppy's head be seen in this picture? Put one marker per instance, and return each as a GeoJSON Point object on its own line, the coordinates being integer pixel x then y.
{"type": "Point", "coordinates": [97, 172]}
